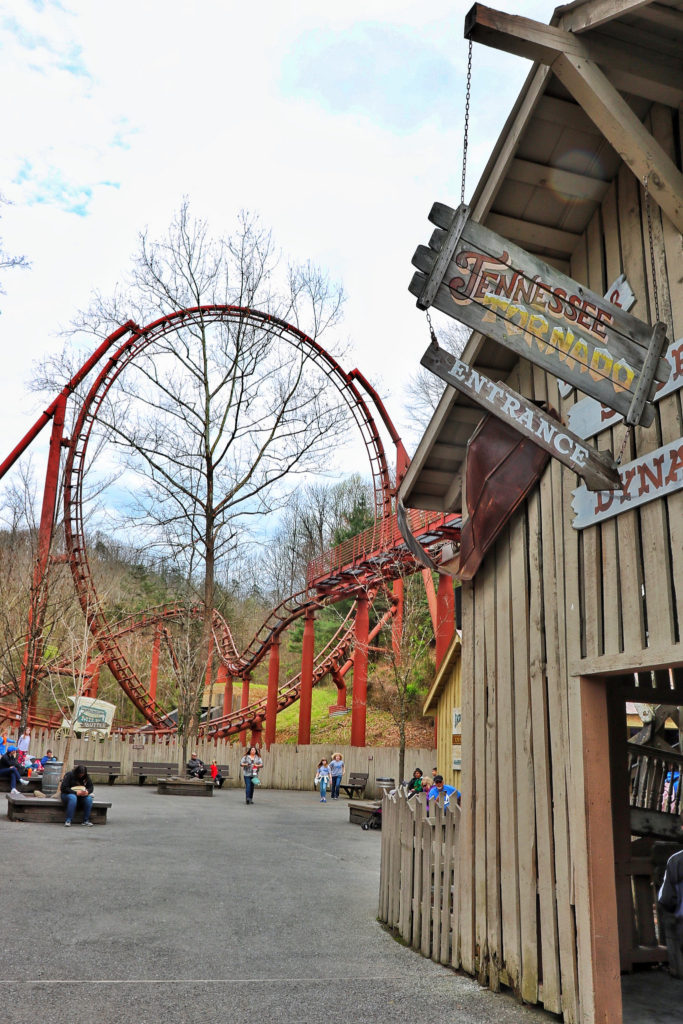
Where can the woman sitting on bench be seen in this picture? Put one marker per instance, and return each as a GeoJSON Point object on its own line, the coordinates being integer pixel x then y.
{"type": "Point", "coordinates": [76, 790]}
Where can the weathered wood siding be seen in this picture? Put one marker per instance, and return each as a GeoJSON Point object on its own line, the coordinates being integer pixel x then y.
{"type": "Point", "coordinates": [548, 603]}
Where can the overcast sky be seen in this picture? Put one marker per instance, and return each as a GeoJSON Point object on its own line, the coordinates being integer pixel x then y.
{"type": "Point", "coordinates": [339, 125]}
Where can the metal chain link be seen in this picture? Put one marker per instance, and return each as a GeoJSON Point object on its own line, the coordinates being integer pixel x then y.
{"type": "Point", "coordinates": [465, 141]}
{"type": "Point", "coordinates": [432, 333]}
{"type": "Point", "coordinates": [627, 435]}
{"type": "Point", "coordinates": [655, 292]}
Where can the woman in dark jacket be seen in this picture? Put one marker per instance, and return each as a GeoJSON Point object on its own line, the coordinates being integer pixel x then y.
{"type": "Point", "coordinates": [76, 790]}
{"type": "Point", "coordinates": [9, 766]}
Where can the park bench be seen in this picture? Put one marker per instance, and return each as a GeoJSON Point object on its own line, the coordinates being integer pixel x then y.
{"type": "Point", "coordinates": [51, 809]}
{"type": "Point", "coordinates": [34, 783]}
{"type": "Point", "coordinates": [157, 769]}
{"type": "Point", "coordinates": [185, 787]}
{"type": "Point", "coordinates": [110, 768]}
{"type": "Point", "coordinates": [224, 770]}
{"type": "Point", "coordinates": [356, 784]}
{"type": "Point", "coordinates": [365, 813]}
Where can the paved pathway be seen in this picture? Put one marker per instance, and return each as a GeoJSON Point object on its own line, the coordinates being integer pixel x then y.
{"type": "Point", "coordinates": [196, 911]}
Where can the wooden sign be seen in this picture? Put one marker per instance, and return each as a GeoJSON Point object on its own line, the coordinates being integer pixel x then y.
{"type": "Point", "coordinates": [597, 468]}
{"type": "Point", "coordinates": [619, 294]}
{"type": "Point", "coordinates": [588, 417]}
{"type": "Point", "coordinates": [493, 286]}
{"type": "Point", "coordinates": [645, 479]}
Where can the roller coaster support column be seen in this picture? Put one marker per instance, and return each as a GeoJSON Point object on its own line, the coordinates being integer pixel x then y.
{"type": "Point", "coordinates": [273, 680]}
{"type": "Point", "coordinates": [244, 701]}
{"type": "Point", "coordinates": [154, 671]}
{"type": "Point", "coordinates": [225, 678]}
{"type": "Point", "coordinates": [445, 617]}
{"type": "Point", "coordinates": [33, 652]}
{"type": "Point", "coordinates": [360, 674]}
{"type": "Point", "coordinates": [91, 678]}
{"type": "Point", "coordinates": [306, 692]}
{"type": "Point", "coordinates": [445, 625]}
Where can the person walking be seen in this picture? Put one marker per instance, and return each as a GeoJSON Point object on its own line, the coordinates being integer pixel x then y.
{"type": "Point", "coordinates": [322, 778]}
{"type": "Point", "coordinates": [250, 764]}
{"type": "Point", "coordinates": [337, 773]}
{"type": "Point", "coordinates": [23, 746]}
{"type": "Point", "coordinates": [76, 789]}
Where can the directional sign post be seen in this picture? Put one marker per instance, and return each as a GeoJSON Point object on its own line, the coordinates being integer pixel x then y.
{"type": "Point", "coordinates": [597, 469]}
{"type": "Point", "coordinates": [493, 286]}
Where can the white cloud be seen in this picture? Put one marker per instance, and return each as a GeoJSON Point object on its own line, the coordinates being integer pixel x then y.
{"type": "Point", "coordinates": [119, 110]}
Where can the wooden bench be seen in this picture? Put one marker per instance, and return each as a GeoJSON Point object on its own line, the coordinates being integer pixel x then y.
{"type": "Point", "coordinates": [34, 783]}
{"type": "Point", "coordinates": [110, 768]}
{"type": "Point", "coordinates": [365, 813]}
{"type": "Point", "coordinates": [356, 784]}
{"type": "Point", "coordinates": [157, 769]}
{"type": "Point", "coordinates": [185, 787]}
{"type": "Point", "coordinates": [51, 809]}
{"type": "Point", "coordinates": [223, 769]}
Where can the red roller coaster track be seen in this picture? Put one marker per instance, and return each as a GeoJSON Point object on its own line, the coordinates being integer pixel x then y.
{"type": "Point", "coordinates": [359, 565]}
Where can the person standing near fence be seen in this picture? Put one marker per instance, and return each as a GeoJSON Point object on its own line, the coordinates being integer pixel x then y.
{"type": "Point", "coordinates": [322, 778]}
{"type": "Point", "coordinates": [250, 764]}
{"type": "Point", "coordinates": [336, 773]}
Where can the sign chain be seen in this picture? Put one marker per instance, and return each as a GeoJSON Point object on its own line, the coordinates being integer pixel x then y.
{"type": "Point", "coordinates": [648, 210]}
{"type": "Point", "coordinates": [432, 334]}
{"type": "Point", "coordinates": [465, 140]}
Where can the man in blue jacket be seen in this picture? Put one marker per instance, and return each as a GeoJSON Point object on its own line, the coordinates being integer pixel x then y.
{"type": "Point", "coordinates": [440, 788]}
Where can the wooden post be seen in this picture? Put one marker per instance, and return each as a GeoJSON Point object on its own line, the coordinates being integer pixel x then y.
{"type": "Point", "coordinates": [306, 694]}
{"type": "Point", "coordinates": [445, 617]}
{"type": "Point", "coordinates": [621, 822]}
{"type": "Point", "coordinates": [602, 897]}
{"type": "Point", "coordinates": [360, 674]}
{"type": "Point", "coordinates": [273, 679]}
{"type": "Point", "coordinates": [244, 701]}
{"type": "Point", "coordinates": [154, 671]}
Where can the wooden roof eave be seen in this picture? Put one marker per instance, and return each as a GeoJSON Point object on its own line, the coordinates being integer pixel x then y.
{"type": "Point", "coordinates": [453, 653]}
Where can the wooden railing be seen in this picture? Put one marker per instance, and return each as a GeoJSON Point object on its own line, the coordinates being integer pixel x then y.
{"type": "Point", "coordinates": [419, 876]}
{"type": "Point", "coordinates": [655, 779]}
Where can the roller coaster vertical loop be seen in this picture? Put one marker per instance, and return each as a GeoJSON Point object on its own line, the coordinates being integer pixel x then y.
{"type": "Point", "coordinates": [75, 469]}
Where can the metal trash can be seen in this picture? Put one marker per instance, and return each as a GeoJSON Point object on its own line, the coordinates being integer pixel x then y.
{"type": "Point", "coordinates": [52, 773]}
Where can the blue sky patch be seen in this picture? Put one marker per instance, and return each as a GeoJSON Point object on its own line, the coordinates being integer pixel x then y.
{"type": "Point", "coordinates": [379, 71]}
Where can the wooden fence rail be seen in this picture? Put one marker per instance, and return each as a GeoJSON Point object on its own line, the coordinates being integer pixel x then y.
{"type": "Point", "coordinates": [420, 874]}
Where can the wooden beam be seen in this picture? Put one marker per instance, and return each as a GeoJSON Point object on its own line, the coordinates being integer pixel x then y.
{"type": "Point", "coordinates": [596, 12]}
{"type": "Point", "coordinates": [629, 662]}
{"type": "Point", "coordinates": [623, 130]}
{"type": "Point", "coordinates": [578, 186]}
{"type": "Point", "coordinates": [533, 236]}
{"type": "Point", "coordinates": [667, 17]}
{"type": "Point", "coordinates": [660, 81]}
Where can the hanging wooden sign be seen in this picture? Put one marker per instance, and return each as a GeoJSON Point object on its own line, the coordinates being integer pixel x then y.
{"type": "Point", "coordinates": [493, 286]}
{"type": "Point", "coordinates": [588, 417]}
{"type": "Point", "coordinates": [597, 468]}
{"type": "Point", "coordinates": [649, 477]}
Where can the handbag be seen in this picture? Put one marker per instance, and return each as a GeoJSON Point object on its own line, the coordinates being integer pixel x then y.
{"type": "Point", "coordinates": [255, 781]}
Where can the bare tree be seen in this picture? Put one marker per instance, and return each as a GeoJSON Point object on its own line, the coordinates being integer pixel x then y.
{"type": "Point", "coordinates": [8, 262]}
{"type": "Point", "coordinates": [211, 422]}
{"type": "Point", "coordinates": [424, 389]}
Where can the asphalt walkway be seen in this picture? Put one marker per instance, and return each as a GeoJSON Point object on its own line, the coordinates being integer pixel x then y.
{"type": "Point", "coordinates": [199, 911]}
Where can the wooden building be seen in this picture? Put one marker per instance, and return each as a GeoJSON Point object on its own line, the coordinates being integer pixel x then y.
{"type": "Point", "coordinates": [571, 613]}
{"type": "Point", "coordinates": [444, 702]}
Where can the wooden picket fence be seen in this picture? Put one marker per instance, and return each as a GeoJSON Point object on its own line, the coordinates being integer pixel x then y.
{"type": "Point", "coordinates": [286, 765]}
{"type": "Point", "coordinates": [419, 874]}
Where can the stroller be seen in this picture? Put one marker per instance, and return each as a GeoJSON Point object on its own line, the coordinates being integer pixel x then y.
{"type": "Point", "coordinates": [375, 821]}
